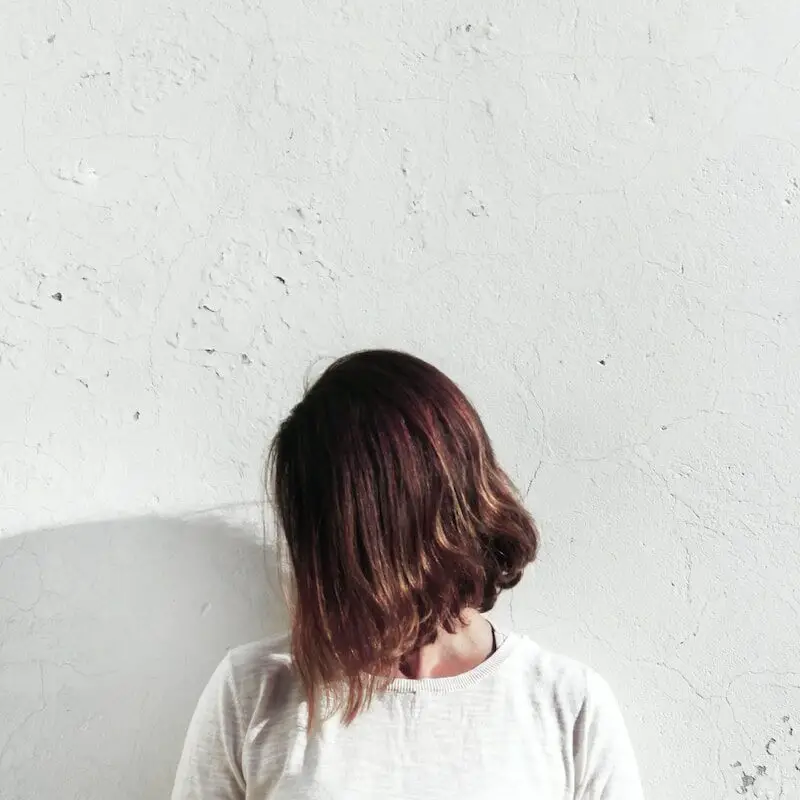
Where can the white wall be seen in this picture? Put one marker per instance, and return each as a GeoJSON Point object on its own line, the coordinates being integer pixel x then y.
{"type": "Point", "coordinates": [588, 214]}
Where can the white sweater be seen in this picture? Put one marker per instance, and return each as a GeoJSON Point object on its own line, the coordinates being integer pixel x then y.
{"type": "Point", "coordinates": [525, 723]}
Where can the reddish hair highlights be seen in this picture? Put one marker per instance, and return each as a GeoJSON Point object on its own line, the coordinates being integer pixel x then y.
{"type": "Point", "coordinates": [396, 517]}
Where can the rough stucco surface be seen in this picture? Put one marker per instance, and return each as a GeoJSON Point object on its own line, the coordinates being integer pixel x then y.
{"type": "Point", "coordinates": [588, 214]}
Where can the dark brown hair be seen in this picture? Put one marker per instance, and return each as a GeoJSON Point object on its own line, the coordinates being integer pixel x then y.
{"type": "Point", "coordinates": [396, 516]}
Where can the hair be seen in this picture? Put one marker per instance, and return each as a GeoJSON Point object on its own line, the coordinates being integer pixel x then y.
{"type": "Point", "coordinates": [396, 518]}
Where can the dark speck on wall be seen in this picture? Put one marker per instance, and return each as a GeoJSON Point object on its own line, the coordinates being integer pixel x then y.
{"type": "Point", "coordinates": [51, 38]}
{"type": "Point", "coordinates": [136, 416]}
{"type": "Point", "coordinates": [602, 362]}
{"type": "Point", "coordinates": [280, 280]}
{"type": "Point", "coordinates": [210, 350]}
{"type": "Point", "coordinates": [57, 296]}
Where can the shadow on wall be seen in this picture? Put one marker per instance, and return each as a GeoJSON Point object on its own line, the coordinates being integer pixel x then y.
{"type": "Point", "coordinates": [108, 633]}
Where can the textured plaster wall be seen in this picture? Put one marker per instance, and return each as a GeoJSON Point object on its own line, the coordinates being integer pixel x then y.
{"type": "Point", "coordinates": [589, 214]}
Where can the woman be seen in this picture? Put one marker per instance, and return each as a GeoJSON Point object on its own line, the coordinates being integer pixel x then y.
{"type": "Point", "coordinates": [401, 531]}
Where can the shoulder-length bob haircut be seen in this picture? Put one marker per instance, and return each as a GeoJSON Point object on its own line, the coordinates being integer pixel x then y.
{"type": "Point", "coordinates": [396, 518]}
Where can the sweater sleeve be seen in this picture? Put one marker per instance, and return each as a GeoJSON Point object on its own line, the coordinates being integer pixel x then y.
{"type": "Point", "coordinates": [210, 765]}
{"type": "Point", "coordinates": [605, 764]}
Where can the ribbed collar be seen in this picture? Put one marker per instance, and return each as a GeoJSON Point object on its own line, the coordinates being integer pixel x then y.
{"type": "Point", "coordinates": [455, 682]}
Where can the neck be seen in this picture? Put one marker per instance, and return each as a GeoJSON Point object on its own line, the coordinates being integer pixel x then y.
{"type": "Point", "coordinates": [452, 653]}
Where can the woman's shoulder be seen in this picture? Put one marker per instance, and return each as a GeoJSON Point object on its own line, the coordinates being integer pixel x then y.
{"type": "Point", "coordinates": [268, 653]}
{"type": "Point", "coordinates": [261, 660]}
{"type": "Point", "coordinates": [255, 674]}
{"type": "Point", "coordinates": [564, 680]}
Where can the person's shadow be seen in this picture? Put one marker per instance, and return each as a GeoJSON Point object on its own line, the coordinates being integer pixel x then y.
{"type": "Point", "coordinates": [108, 633]}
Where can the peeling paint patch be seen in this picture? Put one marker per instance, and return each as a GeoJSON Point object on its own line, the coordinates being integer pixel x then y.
{"type": "Point", "coordinates": [775, 777]}
{"type": "Point", "coordinates": [475, 206]}
{"type": "Point", "coordinates": [769, 747]}
{"type": "Point", "coordinates": [79, 173]}
{"type": "Point", "coordinates": [466, 40]}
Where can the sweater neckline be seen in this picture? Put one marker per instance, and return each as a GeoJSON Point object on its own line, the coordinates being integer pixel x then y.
{"type": "Point", "coordinates": [465, 679]}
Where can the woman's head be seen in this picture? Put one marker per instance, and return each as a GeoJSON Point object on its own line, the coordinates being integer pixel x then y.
{"type": "Point", "coordinates": [396, 519]}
